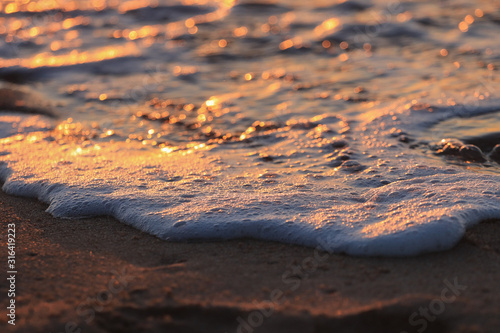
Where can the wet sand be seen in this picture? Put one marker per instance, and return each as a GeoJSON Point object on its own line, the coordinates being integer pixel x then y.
{"type": "Point", "coordinates": [99, 275]}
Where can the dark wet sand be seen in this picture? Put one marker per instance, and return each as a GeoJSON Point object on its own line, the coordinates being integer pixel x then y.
{"type": "Point", "coordinates": [99, 275]}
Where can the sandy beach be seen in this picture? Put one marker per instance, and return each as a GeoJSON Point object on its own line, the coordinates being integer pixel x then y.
{"type": "Point", "coordinates": [99, 275]}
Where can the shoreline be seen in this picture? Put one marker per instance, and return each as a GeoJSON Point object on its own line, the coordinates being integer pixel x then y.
{"type": "Point", "coordinates": [100, 275]}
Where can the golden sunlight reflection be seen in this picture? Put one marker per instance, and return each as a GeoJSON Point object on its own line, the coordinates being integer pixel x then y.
{"type": "Point", "coordinates": [327, 26]}
{"type": "Point", "coordinates": [74, 57]}
{"type": "Point", "coordinates": [73, 5]}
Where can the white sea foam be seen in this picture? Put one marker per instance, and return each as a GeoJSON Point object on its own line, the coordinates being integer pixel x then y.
{"type": "Point", "coordinates": [399, 204]}
{"type": "Point", "coordinates": [212, 122]}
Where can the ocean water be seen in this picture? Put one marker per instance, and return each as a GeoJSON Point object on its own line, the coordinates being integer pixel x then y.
{"type": "Point", "coordinates": [363, 127]}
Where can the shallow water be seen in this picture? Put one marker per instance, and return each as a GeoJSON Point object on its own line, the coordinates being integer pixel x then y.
{"type": "Point", "coordinates": [328, 123]}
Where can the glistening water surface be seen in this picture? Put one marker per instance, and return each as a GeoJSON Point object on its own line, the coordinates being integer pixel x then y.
{"type": "Point", "coordinates": [366, 127]}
